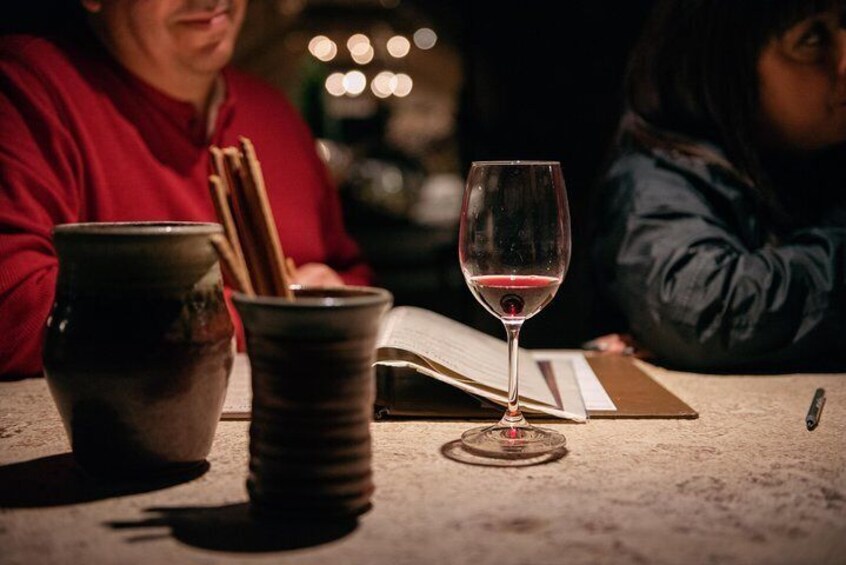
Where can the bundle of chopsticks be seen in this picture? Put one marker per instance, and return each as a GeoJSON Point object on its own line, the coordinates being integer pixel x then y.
{"type": "Point", "coordinates": [249, 250]}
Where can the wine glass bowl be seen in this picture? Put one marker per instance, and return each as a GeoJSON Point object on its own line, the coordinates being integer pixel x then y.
{"type": "Point", "coordinates": [514, 251]}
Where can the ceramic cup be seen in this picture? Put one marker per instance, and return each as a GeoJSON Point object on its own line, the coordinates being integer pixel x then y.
{"type": "Point", "coordinates": [139, 345]}
{"type": "Point", "coordinates": [313, 391]}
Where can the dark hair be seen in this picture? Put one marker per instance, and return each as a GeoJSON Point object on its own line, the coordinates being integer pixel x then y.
{"type": "Point", "coordinates": [693, 76]}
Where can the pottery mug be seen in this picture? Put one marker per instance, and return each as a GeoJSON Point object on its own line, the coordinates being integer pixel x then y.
{"type": "Point", "coordinates": [311, 360]}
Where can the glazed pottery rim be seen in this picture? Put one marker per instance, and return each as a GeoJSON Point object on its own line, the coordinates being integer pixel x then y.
{"type": "Point", "coordinates": [370, 295]}
{"type": "Point", "coordinates": [133, 228]}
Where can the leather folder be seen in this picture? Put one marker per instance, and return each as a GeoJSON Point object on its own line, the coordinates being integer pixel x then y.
{"type": "Point", "coordinates": [405, 393]}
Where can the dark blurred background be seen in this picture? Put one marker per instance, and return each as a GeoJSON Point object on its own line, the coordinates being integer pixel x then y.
{"type": "Point", "coordinates": [467, 80]}
{"type": "Point", "coordinates": [533, 80]}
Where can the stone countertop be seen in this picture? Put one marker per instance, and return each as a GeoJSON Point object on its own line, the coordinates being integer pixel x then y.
{"type": "Point", "coordinates": [745, 483]}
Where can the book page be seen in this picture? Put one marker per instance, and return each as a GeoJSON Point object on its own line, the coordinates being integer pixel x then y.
{"type": "Point", "coordinates": [477, 356]}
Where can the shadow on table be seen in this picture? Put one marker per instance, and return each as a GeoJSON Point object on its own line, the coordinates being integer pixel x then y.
{"type": "Point", "coordinates": [233, 528]}
{"type": "Point", "coordinates": [56, 480]}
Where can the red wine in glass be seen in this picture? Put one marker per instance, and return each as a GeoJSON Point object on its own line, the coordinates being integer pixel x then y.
{"type": "Point", "coordinates": [514, 296]}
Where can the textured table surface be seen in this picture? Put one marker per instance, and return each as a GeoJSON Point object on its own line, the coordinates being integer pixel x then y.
{"type": "Point", "coordinates": [745, 483]}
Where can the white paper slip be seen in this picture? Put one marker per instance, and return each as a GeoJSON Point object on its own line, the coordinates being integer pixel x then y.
{"type": "Point", "coordinates": [593, 393]}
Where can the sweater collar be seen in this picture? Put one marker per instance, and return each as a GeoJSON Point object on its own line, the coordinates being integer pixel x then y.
{"type": "Point", "coordinates": [183, 114]}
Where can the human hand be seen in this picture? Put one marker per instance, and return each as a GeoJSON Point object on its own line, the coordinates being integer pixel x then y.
{"type": "Point", "coordinates": [616, 344]}
{"type": "Point", "coordinates": [315, 274]}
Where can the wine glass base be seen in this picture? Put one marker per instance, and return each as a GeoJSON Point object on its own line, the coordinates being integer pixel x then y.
{"type": "Point", "coordinates": [455, 451]}
{"type": "Point", "coordinates": [502, 441]}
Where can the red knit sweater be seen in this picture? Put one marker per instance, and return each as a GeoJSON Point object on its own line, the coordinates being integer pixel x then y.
{"type": "Point", "coordinates": [83, 140]}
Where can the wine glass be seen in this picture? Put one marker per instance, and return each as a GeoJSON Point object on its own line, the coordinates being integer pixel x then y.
{"type": "Point", "coordinates": [514, 250]}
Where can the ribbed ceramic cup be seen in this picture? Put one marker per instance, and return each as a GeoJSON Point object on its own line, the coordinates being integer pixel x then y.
{"type": "Point", "coordinates": [139, 346]}
{"type": "Point", "coordinates": [313, 390]}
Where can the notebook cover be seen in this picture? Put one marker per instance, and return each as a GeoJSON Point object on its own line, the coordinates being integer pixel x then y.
{"type": "Point", "coordinates": [634, 392]}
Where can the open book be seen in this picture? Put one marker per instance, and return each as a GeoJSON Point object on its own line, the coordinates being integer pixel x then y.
{"type": "Point", "coordinates": [417, 345]}
{"type": "Point", "coordinates": [551, 382]}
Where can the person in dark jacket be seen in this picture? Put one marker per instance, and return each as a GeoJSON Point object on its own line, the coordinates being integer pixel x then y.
{"type": "Point", "coordinates": [721, 239]}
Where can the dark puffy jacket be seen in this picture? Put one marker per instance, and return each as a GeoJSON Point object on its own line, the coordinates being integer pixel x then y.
{"type": "Point", "coordinates": [682, 254]}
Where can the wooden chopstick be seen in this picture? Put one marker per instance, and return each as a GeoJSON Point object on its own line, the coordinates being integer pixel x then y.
{"type": "Point", "coordinates": [250, 242]}
{"type": "Point", "coordinates": [238, 268]}
{"type": "Point", "coordinates": [290, 269]}
{"type": "Point", "coordinates": [263, 216]}
{"type": "Point", "coordinates": [233, 269]}
{"type": "Point", "coordinates": [241, 204]}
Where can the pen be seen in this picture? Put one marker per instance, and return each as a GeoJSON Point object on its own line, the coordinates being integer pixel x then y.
{"type": "Point", "coordinates": [814, 412]}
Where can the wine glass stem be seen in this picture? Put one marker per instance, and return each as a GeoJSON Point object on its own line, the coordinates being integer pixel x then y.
{"type": "Point", "coordinates": [513, 417]}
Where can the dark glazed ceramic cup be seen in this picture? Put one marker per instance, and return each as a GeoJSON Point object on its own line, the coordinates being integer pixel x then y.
{"type": "Point", "coordinates": [139, 345]}
{"type": "Point", "coordinates": [313, 391]}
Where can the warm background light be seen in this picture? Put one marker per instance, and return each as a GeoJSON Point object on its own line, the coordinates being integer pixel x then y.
{"type": "Point", "coordinates": [363, 56]}
{"type": "Point", "coordinates": [335, 84]}
{"type": "Point", "coordinates": [381, 84]}
{"type": "Point", "coordinates": [355, 82]}
{"type": "Point", "coordinates": [401, 85]}
{"type": "Point", "coordinates": [358, 43]}
{"type": "Point", "coordinates": [425, 38]}
{"type": "Point", "coordinates": [322, 48]}
{"type": "Point", "coordinates": [398, 46]}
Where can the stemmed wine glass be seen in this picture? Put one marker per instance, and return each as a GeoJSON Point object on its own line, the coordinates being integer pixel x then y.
{"type": "Point", "coordinates": [514, 250]}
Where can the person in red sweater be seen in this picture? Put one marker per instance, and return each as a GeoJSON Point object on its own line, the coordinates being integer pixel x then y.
{"type": "Point", "coordinates": [114, 123]}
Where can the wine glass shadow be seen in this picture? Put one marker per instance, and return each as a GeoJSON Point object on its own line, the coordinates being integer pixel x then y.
{"type": "Point", "coordinates": [56, 480]}
{"type": "Point", "coordinates": [232, 528]}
